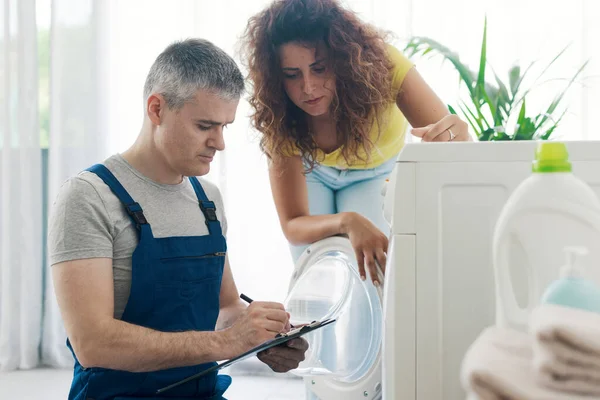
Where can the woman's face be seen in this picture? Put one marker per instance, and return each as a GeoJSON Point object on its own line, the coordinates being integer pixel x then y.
{"type": "Point", "coordinates": [308, 78]}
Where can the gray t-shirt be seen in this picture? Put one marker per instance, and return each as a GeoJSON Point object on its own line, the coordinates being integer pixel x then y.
{"type": "Point", "coordinates": [88, 221]}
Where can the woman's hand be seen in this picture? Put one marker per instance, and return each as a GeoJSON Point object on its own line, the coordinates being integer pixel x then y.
{"type": "Point", "coordinates": [369, 243]}
{"type": "Point", "coordinates": [449, 129]}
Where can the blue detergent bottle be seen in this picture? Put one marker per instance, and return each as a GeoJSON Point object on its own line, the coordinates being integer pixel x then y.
{"type": "Point", "coordinates": [573, 289]}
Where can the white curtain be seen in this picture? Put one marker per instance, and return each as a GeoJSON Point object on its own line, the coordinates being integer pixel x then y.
{"type": "Point", "coordinates": [78, 123]}
{"type": "Point", "coordinates": [21, 188]}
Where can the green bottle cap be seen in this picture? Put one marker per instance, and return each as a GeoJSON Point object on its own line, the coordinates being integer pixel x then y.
{"type": "Point", "coordinates": [551, 157]}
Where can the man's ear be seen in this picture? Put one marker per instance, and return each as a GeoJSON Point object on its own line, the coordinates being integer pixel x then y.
{"type": "Point", "coordinates": [155, 108]}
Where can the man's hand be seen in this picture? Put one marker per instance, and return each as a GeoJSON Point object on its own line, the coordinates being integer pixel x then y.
{"type": "Point", "coordinates": [260, 322]}
{"type": "Point", "coordinates": [285, 357]}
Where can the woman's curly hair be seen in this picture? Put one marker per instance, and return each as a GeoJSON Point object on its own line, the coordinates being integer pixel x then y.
{"type": "Point", "coordinates": [360, 63]}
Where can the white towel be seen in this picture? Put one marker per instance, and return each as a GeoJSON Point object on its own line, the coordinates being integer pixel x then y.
{"type": "Point", "coordinates": [498, 366]}
{"type": "Point", "coordinates": [567, 348]}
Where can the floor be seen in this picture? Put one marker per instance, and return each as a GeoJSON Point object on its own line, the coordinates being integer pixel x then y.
{"type": "Point", "coordinates": [53, 384]}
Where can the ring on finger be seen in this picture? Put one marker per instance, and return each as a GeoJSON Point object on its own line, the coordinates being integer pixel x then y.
{"type": "Point", "coordinates": [452, 135]}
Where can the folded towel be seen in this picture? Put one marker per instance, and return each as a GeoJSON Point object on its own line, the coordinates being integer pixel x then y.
{"type": "Point", "coordinates": [566, 348]}
{"type": "Point", "coordinates": [498, 366]}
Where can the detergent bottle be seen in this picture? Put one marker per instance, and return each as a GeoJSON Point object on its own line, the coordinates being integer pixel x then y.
{"type": "Point", "coordinates": [549, 211]}
{"type": "Point", "coordinates": [572, 289]}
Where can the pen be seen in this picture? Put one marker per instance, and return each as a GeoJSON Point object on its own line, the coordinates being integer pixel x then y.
{"type": "Point", "coordinates": [249, 301]}
{"type": "Point", "coordinates": [246, 298]}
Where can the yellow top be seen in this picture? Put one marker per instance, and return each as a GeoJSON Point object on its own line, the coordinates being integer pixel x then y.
{"type": "Point", "coordinates": [388, 142]}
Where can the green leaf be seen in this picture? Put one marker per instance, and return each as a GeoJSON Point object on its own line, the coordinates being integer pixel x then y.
{"type": "Point", "coordinates": [491, 104]}
{"type": "Point", "coordinates": [480, 117]}
{"type": "Point", "coordinates": [504, 102]}
{"type": "Point", "coordinates": [549, 132]}
{"type": "Point", "coordinates": [498, 136]}
{"type": "Point", "coordinates": [467, 111]}
{"type": "Point", "coordinates": [560, 53]}
{"type": "Point", "coordinates": [521, 113]}
{"type": "Point", "coordinates": [514, 78]}
{"type": "Point", "coordinates": [520, 121]}
{"type": "Point", "coordinates": [560, 96]}
{"type": "Point", "coordinates": [526, 130]}
{"type": "Point", "coordinates": [423, 45]}
{"type": "Point", "coordinates": [482, 57]}
{"type": "Point", "coordinates": [470, 121]}
{"type": "Point", "coordinates": [546, 135]}
{"type": "Point", "coordinates": [487, 134]}
{"type": "Point", "coordinates": [485, 93]}
{"type": "Point", "coordinates": [517, 84]}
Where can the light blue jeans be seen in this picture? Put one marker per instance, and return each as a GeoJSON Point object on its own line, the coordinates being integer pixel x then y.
{"type": "Point", "coordinates": [331, 191]}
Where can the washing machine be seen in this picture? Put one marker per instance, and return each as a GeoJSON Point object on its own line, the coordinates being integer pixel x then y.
{"type": "Point", "coordinates": [443, 201]}
{"type": "Point", "coordinates": [344, 359]}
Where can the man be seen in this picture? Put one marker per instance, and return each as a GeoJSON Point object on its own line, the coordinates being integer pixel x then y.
{"type": "Point", "coordinates": [138, 248]}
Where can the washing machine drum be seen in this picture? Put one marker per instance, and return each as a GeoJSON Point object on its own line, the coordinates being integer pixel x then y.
{"type": "Point", "coordinates": [326, 284]}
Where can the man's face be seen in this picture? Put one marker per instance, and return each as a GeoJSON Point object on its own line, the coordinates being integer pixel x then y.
{"type": "Point", "coordinates": [189, 138]}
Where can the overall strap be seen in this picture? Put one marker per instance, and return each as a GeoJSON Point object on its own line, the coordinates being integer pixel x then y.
{"type": "Point", "coordinates": [133, 208]}
{"type": "Point", "coordinates": [208, 208]}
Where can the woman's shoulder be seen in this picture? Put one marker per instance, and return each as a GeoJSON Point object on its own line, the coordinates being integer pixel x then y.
{"type": "Point", "coordinates": [401, 65]}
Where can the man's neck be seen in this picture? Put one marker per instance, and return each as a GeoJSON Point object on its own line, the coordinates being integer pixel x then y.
{"type": "Point", "coordinates": [145, 158]}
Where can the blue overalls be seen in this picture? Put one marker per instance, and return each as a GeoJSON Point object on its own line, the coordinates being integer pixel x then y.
{"type": "Point", "coordinates": [175, 286]}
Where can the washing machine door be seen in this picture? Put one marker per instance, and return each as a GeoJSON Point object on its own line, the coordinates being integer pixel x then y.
{"type": "Point", "coordinates": [344, 357]}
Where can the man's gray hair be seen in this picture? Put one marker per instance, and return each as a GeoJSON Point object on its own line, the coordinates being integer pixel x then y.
{"type": "Point", "coordinates": [187, 66]}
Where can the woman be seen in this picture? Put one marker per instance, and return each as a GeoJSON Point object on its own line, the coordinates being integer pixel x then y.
{"type": "Point", "coordinates": [332, 101]}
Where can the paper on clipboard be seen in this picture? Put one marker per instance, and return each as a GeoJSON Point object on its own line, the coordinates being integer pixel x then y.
{"type": "Point", "coordinates": [281, 338]}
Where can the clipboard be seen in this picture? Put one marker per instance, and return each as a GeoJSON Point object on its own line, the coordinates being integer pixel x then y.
{"type": "Point", "coordinates": [281, 338]}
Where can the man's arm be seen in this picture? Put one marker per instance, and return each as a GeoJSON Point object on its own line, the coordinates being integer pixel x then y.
{"type": "Point", "coordinates": [231, 305]}
{"type": "Point", "coordinates": [84, 289]}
